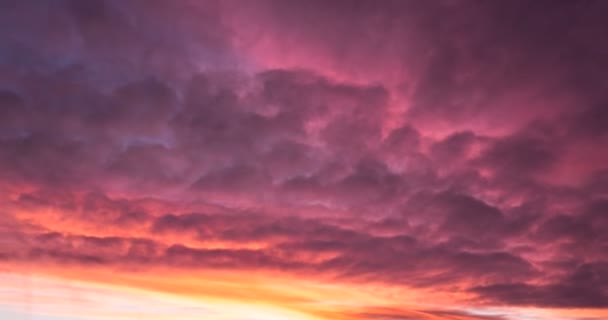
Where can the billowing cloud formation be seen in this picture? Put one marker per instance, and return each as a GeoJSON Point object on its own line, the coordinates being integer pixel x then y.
{"type": "Point", "coordinates": [452, 148]}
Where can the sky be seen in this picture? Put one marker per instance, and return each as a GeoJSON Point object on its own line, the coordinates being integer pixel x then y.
{"type": "Point", "coordinates": [303, 160]}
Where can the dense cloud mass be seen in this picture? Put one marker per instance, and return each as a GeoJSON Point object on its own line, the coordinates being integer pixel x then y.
{"type": "Point", "coordinates": [447, 146]}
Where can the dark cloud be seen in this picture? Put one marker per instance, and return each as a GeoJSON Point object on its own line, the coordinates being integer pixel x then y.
{"type": "Point", "coordinates": [454, 148]}
{"type": "Point", "coordinates": [585, 287]}
{"type": "Point", "coordinates": [523, 154]}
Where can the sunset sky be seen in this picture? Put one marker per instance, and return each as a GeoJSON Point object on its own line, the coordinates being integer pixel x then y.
{"type": "Point", "coordinates": [303, 160]}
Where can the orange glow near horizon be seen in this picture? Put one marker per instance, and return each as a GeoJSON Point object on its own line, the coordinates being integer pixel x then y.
{"type": "Point", "coordinates": [231, 293]}
{"type": "Point", "coordinates": [227, 297]}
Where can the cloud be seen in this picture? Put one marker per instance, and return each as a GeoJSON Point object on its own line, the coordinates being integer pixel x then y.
{"type": "Point", "coordinates": [454, 146]}
{"type": "Point", "coordinates": [585, 288]}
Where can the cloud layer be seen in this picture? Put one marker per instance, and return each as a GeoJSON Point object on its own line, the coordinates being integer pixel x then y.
{"type": "Point", "coordinates": [453, 147]}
